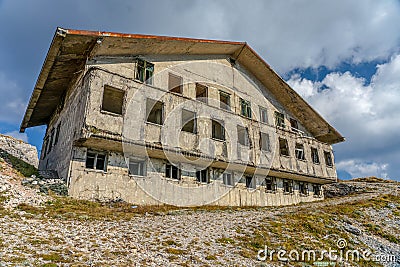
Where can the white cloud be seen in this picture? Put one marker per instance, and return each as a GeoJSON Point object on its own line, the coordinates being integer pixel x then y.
{"type": "Point", "coordinates": [18, 135]}
{"type": "Point", "coordinates": [368, 115]}
{"type": "Point", "coordinates": [304, 34]}
{"type": "Point", "coordinates": [288, 34]}
{"type": "Point", "coordinates": [363, 169]}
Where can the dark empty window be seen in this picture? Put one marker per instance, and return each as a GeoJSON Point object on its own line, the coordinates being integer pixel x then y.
{"type": "Point", "coordinates": [264, 142]}
{"type": "Point", "coordinates": [314, 155]}
{"type": "Point", "coordinates": [189, 121]}
{"type": "Point", "coordinates": [51, 139]}
{"type": "Point", "coordinates": [287, 186]}
{"type": "Point", "coordinates": [279, 119]}
{"type": "Point", "coordinates": [263, 115]}
{"type": "Point", "coordinates": [95, 160]}
{"type": "Point", "coordinates": [57, 133]}
{"type": "Point", "coordinates": [245, 108]}
{"type": "Point", "coordinates": [113, 100]}
{"type": "Point", "coordinates": [45, 146]}
{"type": "Point", "coordinates": [303, 188]}
{"type": "Point", "coordinates": [293, 124]}
{"type": "Point", "coordinates": [225, 100]}
{"type": "Point", "coordinates": [317, 190]}
{"type": "Point", "coordinates": [171, 171]}
{"type": "Point", "coordinates": [243, 136]}
{"type": "Point", "coordinates": [328, 158]}
{"type": "Point", "coordinates": [227, 179]}
{"type": "Point", "coordinates": [201, 92]}
{"type": "Point", "coordinates": [144, 71]}
{"type": "Point", "coordinates": [175, 83]}
{"type": "Point", "coordinates": [218, 131]}
{"type": "Point", "coordinates": [154, 111]}
{"type": "Point", "coordinates": [270, 183]}
{"type": "Point", "coordinates": [299, 151]}
{"type": "Point", "coordinates": [250, 182]}
{"type": "Point", "coordinates": [202, 176]}
{"type": "Point", "coordinates": [283, 147]}
{"type": "Point", "coordinates": [137, 167]}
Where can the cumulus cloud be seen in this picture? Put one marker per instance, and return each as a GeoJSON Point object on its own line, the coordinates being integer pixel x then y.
{"type": "Point", "coordinates": [288, 34]}
{"type": "Point", "coordinates": [367, 114]}
{"type": "Point", "coordinates": [359, 168]}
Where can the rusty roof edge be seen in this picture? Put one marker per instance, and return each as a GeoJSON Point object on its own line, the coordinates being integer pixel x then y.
{"type": "Point", "coordinates": [339, 138]}
{"type": "Point", "coordinates": [145, 36]}
{"type": "Point", "coordinates": [44, 72]}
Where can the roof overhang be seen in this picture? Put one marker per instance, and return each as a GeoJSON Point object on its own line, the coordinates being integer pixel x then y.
{"type": "Point", "coordinates": [70, 50]}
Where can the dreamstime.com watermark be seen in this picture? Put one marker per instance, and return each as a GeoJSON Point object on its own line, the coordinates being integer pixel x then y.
{"type": "Point", "coordinates": [330, 257]}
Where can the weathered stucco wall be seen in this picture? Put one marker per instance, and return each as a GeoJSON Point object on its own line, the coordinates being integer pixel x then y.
{"type": "Point", "coordinates": [67, 122]}
{"type": "Point", "coordinates": [83, 123]}
{"type": "Point", "coordinates": [135, 118]}
{"type": "Point", "coordinates": [115, 183]}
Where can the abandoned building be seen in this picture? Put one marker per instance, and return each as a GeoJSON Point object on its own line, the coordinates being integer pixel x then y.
{"type": "Point", "coordinates": [154, 119]}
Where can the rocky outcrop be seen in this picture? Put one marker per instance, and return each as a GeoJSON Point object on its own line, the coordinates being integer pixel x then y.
{"type": "Point", "coordinates": [19, 149]}
{"type": "Point", "coordinates": [355, 186]}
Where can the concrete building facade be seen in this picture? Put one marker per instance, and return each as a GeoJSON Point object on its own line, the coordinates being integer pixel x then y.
{"type": "Point", "coordinates": [161, 120]}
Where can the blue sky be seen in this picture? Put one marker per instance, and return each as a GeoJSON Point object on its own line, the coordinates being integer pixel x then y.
{"type": "Point", "coordinates": [342, 56]}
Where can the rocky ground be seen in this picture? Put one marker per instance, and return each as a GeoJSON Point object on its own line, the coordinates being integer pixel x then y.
{"type": "Point", "coordinates": [49, 230]}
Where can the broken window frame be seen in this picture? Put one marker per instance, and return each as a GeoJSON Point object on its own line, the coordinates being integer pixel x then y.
{"type": "Point", "coordinates": [270, 184]}
{"type": "Point", "coordinates": [203, 176]}
{"type": "Point", "coordinates": [170, 170]}
{"type": "Point", "coordinates": [250, 181]}
{"type": "Point", "coordinates": [315, 155]}
{"type": "Point", "coordinates": [189, 126]}
{"type": "Point", "coordinates": [283, 147]}
{"type": "Point", "coordinates": [287, 185]}
{"type": "Point", "coordinates": [142, 169]}
{"type": "Point", "coordinates": [245, 139]}
{"type": "Point", "coordinates": [263, 115]}
{"type": "Point", "coordinates": [96, 156]}
{"type": "Point", "coordinates": [227, 179]}
{"type": "Point", "coordinates": [245, 108]}
{"type": "Point", "coordinates": [154, 111]}
{"type": "Point", "coordinates": [119, 95]}
{"type": "Point", "coordinates": [265, 144]}
{"type": "Point", "coordinates": [224, 100]}
{"type": "Point", "coordinates": [303, 189]}
{"type": "Point", "coordinates": [279, 119]}
{"type": "Point", "coordinates": [214, 135]}
{"type": "Point", "coordinates": [328, 159]}
{"type": "Point", "coordinates": [202, 93]}
{"type": "Point", "coordinates": [175, 83]}
{"type": "Point", "coordinates": [317, 190]}
{"type": "Point", "coordinates": [294, 125]}
{"type": "Point", "coordinates": [144, 71]}
{"type": "Point", "coordinates": [299, 151]}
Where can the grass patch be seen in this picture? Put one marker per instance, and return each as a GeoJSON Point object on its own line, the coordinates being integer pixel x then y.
{"type": "Point", "coordinates": [307, 229]}
{"type": "Point", "coordinates": [377, 230]}
{"type": "Point", "coordinates": [25, 169]}
{"type": "Point", "coordinates": [225, 240]}
{"type": "Point", "coordinates": [171, 242]}
{"type": "Point", "coordinates": [211, 257]}
{"type": "Point", "coordinates": [176, 251]}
